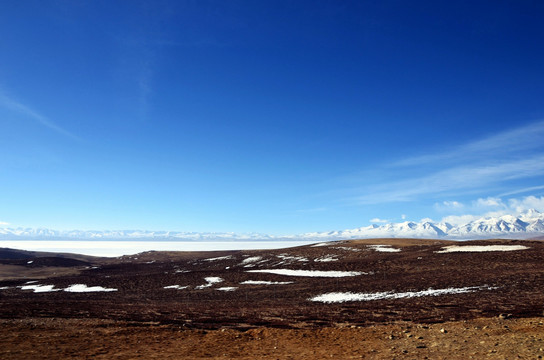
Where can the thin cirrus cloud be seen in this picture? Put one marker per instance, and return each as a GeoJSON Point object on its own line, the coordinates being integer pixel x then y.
{"type": "Point", "coordinates": [521, 191]}
{"type": "Point", "coordinates": [475, 167]}
{"type": "Point", "coordinates": [458, 179]}
{"type": "Point", "coordinates": [507, 143]}
{"type": "Point", "coordinates": [15, 106]}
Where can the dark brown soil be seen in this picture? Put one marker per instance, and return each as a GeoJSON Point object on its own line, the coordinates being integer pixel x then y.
{"type": "Point", "coordinates": [490, 338]}
{"type": "Point", "coordinates": [218, 322]}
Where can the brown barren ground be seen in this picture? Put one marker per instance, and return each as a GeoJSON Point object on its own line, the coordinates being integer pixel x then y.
{"type": "Point", "coordinates": [501, 317]}
{"type": "Point", "coordinates": [105, 339]}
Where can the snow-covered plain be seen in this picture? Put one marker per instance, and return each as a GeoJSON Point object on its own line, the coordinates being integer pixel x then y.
{"type": "Point", "coordinates": [118, 248]}
{"type": "Point", "coordinates": [480, 248]}
{"type": "Point", "coordinates": [338, 297]}
{"type": "Point", "coordinates": [309, 273]}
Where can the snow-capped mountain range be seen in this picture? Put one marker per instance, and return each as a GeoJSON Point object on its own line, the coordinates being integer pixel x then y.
{"type": "Point", "coordinates": [528, 224]}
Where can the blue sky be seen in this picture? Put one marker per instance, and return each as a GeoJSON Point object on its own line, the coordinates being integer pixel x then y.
{"type": "Point", "coordinates": [276, 117]}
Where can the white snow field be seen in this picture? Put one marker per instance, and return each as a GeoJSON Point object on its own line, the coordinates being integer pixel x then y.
{"type": "Point", "coordinates": [118, 248]}
{"type": "Point", "coordinates": [338, 297]}
{"type": "Point", "coordinates": [79, 288]}
{"type": "Point", "coordinates": [227, 288]}
{"type": "Point", "coordinates": [309, 273]}
{"type": "Point", "coordinates": [480, 248]}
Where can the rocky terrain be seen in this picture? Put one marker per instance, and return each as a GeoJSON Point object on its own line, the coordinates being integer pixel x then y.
{"type": "Point", "coordinates": [349, 299]}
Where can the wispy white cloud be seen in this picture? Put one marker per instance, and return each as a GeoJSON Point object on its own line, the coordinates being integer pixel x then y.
{"type": "Point", "coordinates": [526, 203]}
{"type": "Point", "coordinates": [494, 162]}
{"type": "Point", "coordinates": [15, 106]}
{"type": "Point", "coordinates": [3, 223]}
{"type": "Point", "coordinates": [378, 220]}
{"type": "Point", "coordinates": [506, 143]}
{"type": "Point", "coordinates": [521, 191]}
{"type": "Point", "coordinates": [489, 202]}
{"type": "Point", "coordinates": [476, 206]}
{"type": "Point", "coordinates": [449, 205]}
{"type": "Point", "coordinates": [459, 179]}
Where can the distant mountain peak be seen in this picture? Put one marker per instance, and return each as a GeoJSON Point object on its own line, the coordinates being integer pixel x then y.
{"type": "Point", "coordinates": [527, 224]}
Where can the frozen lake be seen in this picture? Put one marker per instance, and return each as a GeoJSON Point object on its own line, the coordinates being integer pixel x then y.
{"type": "Point", "coordinates": [118, 248]}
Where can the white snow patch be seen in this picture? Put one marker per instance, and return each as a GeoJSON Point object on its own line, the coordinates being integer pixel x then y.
{"type": "Point", "coordinates": [4, 287]}
{"type": "Point", "coordinates": [181, 271]}
{"type": "Point", "coordinates": [219, 258]}
{"type": "Point", "coordinates": [347, 248]}
{"type": "Point", "coordinates": [227, 288]}
{"type": "Point", "coordinates": [39, 288]}
{"type": "Point", "coordinates": [209, 282]}
{"type": "Point", "coordinates": [337, 297]}
{"type": "Point", "coordinates": [262, 282]}
{"type": "Point", "coordinates": [480, 248]}
{"type": "Point", "coordinates": [309, 273]}
{"type": "Point", "coordinates": [383, 248]}
{"type": "Point", "coordinates": [322, 244]}
{"type": "Point", "coordinates": [287, 257]}
{"type": "Point", "coordinates": [251, 259]}
{"type": "Point", "coordinates": [31, 282]}
{"type": "Point", "coordinates": [30, 262]}
{"type": "Point", "coordinates": [177, 287]}
{"type": "Point", "coordinates": [327, 258]}
{"type": "Point", "coordinates": [84, 288]}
